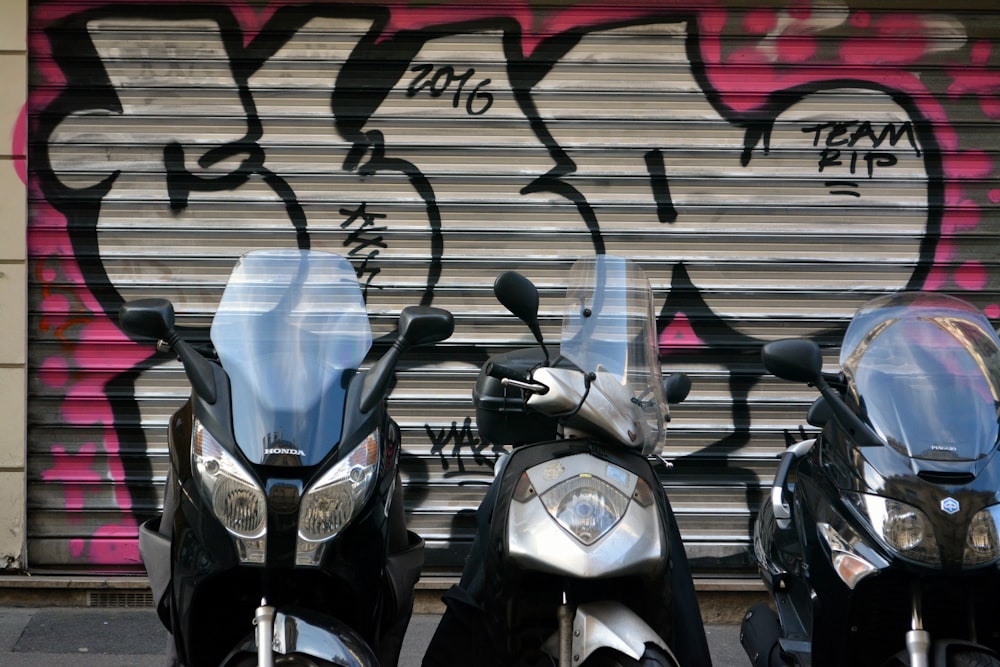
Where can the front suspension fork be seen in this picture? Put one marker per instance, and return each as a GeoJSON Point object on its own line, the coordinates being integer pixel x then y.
{"type": "Point", "coordinates": [565, 613]}
{"type": "Point", "coordinates": [264, 620]}
{"type": "Point", "coordinates": [918, 640]}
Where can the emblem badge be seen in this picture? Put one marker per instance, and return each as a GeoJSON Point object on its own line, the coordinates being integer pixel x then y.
{"type": "Point", "coordinates": [950, 505]}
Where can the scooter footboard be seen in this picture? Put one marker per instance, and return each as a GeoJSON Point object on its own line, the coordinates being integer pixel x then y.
{"type": "Point", "coordinates": [609, 624]}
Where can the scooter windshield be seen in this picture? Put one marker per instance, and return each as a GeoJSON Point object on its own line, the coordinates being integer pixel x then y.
{"type": "Point", "coordinates": [291, 330]}
{"type": "Point", "coordinates": [609, 329]}
{"type": "Point", "coordinates": [925, 369]}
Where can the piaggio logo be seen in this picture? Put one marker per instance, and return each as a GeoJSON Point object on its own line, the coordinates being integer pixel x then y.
{"type": "Point", "coordinates": [950, 505]}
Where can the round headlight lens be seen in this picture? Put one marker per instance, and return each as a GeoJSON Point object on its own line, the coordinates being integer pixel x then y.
{"type": "Point", "coordinates": [336, 497]}
{"type": "Point", "coordinates": [236, 498]}
{"type": "Point", "coordinates": [902, 528]}
{"type": "Point", "coordinates": [982, 543]}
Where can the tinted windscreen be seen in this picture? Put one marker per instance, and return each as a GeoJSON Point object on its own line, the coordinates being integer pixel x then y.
{"type": "Point", "coordinates": [290, 331]}
{"type": "Point", "coordinates": [927, 382]}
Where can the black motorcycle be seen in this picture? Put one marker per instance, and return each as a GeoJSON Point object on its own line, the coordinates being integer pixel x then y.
{"type": "Point", "coordinates": [577, 560]}
{"type": "Point", "coordinates": [282, 539]}
{"type": "Point", "coordinates": [880, 541]}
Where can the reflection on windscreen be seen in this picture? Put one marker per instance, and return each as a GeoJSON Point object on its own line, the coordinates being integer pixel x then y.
{"type": "Point", "coordinates": [927, 390]}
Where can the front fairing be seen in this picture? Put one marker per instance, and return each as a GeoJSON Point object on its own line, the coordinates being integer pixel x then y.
{"type": "Point", "coordinates": [923, 370]}
{"type": "Point", "coordinates": [290, 331]}
{"type": "Point", "coordinates": [609, 332]}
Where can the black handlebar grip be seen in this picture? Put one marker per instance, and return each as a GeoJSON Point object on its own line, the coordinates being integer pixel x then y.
{"type": "Point", "coordinates": [501, 371]}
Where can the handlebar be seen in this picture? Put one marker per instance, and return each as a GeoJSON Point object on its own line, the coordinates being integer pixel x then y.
{"type": "Point", "coordinates": [510, 376]}
{"type": "Point", "coordinates": [504, 372]}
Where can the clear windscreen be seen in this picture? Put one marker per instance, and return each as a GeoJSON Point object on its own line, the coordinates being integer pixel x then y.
{"type": "Point", "coordinates": [290, 331]}
{"type": "Point", "coordinates": [609, 328]}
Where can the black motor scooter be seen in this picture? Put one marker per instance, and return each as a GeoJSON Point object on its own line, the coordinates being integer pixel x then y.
{"type": "Point", "coordinates": [577, 559]}
{"type": "Point", "coordinates": [283, 505]}
{"type": "Point", "coordinates": [880, 541]}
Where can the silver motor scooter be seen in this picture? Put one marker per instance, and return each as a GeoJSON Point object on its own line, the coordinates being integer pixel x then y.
{"type": "Point", "coordinates": [577, 559]}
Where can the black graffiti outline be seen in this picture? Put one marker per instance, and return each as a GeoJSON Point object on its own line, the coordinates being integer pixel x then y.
{"type": "Point", "coordinates": [461, 438]}
{"type": "Point", "coordinates": [367, 226]}
{"type": "Point", "coordinates": [524, 73]}
{"type": "Point", "coordinates": [758, 134]}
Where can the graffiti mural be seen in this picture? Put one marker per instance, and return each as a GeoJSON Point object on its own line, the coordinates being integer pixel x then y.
{"type": "Point", "coordinates": [770, 168]}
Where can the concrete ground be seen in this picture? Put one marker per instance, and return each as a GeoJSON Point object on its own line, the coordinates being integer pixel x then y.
{"type": "Point", "coordinates": [98, 622]}
{"type": "Point", "coordinates": [88, 637]}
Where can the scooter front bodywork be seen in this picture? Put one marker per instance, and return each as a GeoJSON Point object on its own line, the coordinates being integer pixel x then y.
{"type": "Point", "coordinates": [606, 624]}
{"type": "Point", "coordinates": [826, 616]}
{"type": "Point", "coordinates": [526, 583]}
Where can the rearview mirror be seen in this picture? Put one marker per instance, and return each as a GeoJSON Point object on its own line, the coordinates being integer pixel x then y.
{"type": "Point", "coordinates": [795, 359]}
{"type": "Point", "coordinates": [152, 318]}
{"type": "Point", "coordinates": [676, 387]}
{"type": "Point", "coordinates": [419, 325]}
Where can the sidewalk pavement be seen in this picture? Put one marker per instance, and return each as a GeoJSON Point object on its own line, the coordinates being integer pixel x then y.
{"type": "Point", "coordinates": [123, 637]}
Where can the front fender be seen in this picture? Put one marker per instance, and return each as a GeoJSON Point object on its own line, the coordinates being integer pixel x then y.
{"type": "Point", "coordinates": [304, 633]}
{"type": "Point", "coordinates": [609, 624]}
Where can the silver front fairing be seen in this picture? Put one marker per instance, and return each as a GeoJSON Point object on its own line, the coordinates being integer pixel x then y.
{"type": "Point", "coordinates": [608, 624]}
{"type": "Point", "coordinates": [632, 544]}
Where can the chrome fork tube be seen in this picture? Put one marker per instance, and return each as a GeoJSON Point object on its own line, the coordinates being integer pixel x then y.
{"type": "Point", "coordinates": [565, 614]}
{"type": "Point", "coordinates": [918, 640]}
{"type": "Point", "coordinates": [264, 620]}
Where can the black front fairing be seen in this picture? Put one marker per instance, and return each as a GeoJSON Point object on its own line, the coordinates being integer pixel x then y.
{"type": "Point", "coordinates": [923, 370]}
{"type": "Point", "coordinates": [291, 332]}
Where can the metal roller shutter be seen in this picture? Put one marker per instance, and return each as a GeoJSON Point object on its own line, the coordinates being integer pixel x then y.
{"type": "Point", "coordinates": [771, 169]}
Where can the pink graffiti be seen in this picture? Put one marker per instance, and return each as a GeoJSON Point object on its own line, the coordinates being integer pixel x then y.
{"type": "Point", "coordinates": [679, 335]}
{"type": "Point", "coordinates": [19, 144]}
{"type": "Point", "coordinates": [113, 544]}
{"type": "Point", "coordinates": [977, 81]}
{"type": "Point", "coordinates": [971, 276]}
{"type": "Point", "coordinates": [899, 39]}
{"type": "Point", "coordinates": [96, 351]}
{"type": "Point", "coordinates": [74, 470]}
{"type": "Point", "coordinates": [879, 52]}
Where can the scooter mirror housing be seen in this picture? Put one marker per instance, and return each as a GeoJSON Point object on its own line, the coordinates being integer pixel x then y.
{"type": "Point", "coordinates": [795, 359]}
{"type": "Point", "coordinates": [152, 318]}
{"type": "Point", "coordinates": [419, 325]}
{"type": "Point", "coordinates": [676, 387]}
{"type": "Point", "coordinates": [801, 360]}
{"type": "Point", "coordinates": [520, 296]}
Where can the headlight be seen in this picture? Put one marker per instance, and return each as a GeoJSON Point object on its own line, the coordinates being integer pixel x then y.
{"type": "Point", "coordinates": [901, 527]}
{"type": "Point", "coordinates": [982, 544]}
{"type": "Point", "coordinates": [586, 506]}
{"type": "Point", "coordinates": [337, 497]}
{"type": "Point", "coordinates": [849, 565]}
{"type": "Point", "coordinates": [236, 498]}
